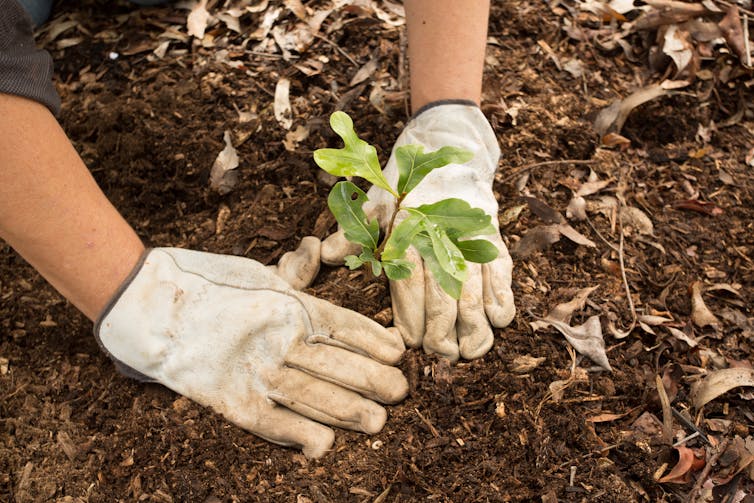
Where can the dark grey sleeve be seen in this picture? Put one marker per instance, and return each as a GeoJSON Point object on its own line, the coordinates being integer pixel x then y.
{"type": "Point", "coordinates": [24, 70]}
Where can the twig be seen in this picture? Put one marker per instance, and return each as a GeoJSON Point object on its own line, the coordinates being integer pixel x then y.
{"type": "Point", "coordinates": [617, 333]}
{"type": "Point", "coordinates": [338, 48]}
{"type": "Point", "coordinates": [667, 415]}
{"type": "Point", "coordinates": [689, 424]}
{"type": "Point", "coordinates": [707, 469]}
{"type": "Point", "coordinates": [746, 40]}
{"type": "Point", "coordinates": [427, 423]}
{"type": "Point", "coordinates": [728, 4]}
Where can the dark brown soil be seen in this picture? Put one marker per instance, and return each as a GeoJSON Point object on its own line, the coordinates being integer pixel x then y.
{"type": "Point", "coordinates": [72, 429]}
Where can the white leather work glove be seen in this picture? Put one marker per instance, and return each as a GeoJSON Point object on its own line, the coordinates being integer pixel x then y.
{"type": "Point", "coordinates": [425, 315]}
{"type": "Point", "coordinates": [230, 334]}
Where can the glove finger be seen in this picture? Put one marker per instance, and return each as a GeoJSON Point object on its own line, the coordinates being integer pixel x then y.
{"type": "Point", "coordinates": [441, 311]}
{"type": "Point", "coordinates": [336, 247]}
{"type": "Point", "coordinates": [340, 327]}
{"type": "Point", "coordinates": [475, 336]}
{"type": "Point", "coordinates": [285, 427]}
{"type": "Point", "coordinates": [299, 267]}
{"type": "Point", "coordinates": [498, 296]}
{"type": "Point", "coordinates": [408, 302]}
{"type": "Point", "coordinates": [326, 402]}
{"type": "Point", "coordinates": [353, 371]}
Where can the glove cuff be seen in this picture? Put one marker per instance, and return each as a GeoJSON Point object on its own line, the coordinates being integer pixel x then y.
{"type": "Point", "coordinates": [119, 365]}
{"type": "Point", "coordinates": [433, 104]}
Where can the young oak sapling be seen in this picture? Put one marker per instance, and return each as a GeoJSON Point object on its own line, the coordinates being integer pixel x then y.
{"type": "Point", "coordinates": [442, 232]}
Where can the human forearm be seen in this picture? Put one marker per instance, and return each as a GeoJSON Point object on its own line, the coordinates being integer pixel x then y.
{"type": "Point", "coordinates": [446, 45]}
{"type": "Point", "coordinates": [53, 213]}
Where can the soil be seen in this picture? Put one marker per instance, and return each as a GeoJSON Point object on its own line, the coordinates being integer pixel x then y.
{"type": "Point", "coordinates": [149, 128]}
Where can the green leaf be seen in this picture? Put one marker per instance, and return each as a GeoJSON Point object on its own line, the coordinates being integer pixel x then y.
{"type": "Point", "coordinates": [398, 269]}
{"type": "Point", "coordinates": [447, 253]}
{"type": "Point", "coordinates": [346, 201]}
{"type": "Point", "coordinates": [480, 251]}
{"type": "Point", "coordinates": [353, 262]}
{"type": "Point", "coordinates": [414, 164]}
{"type": "Point", "coordinates": [357, 158]}
{"type": "Point", "coordinates": [367, 256]}
{"type": "Point", "coordinates": [448, 283]}
{"type": "Point", "coordinates": [400, 238]}
{"type": "Point", "coordinates": [457, 218]}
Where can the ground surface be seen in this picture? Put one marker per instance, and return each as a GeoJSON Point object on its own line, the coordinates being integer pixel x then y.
{"type": "Point", "coordinates": [72, 429]}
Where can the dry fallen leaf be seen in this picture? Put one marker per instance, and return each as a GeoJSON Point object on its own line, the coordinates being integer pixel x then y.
{"type": "Point", "coordinates": [282, 105]}
{"type": "Point", "coordinates": [719, 382]}
{"type": "Point", "coordinates": [536, 239]}
{"type": "Point", "coordinates": [587, 339]}
{"type": "Point", "coordinates": [222, 177]}
{"type": "Point", "coordinates": [682, 336]}
{"type": "Point", "coordinates": [681, 472]}
{"type": "Point", "coordinates": [564, 311]}
{"type": "Point", "coordinates": [612, 118]}
{"type": "Point", "coordinates": [733, 31]}
{"type": "Point", "coordinates": [700, 313]}
{"type": "Point", "coordinates": [525, 363]}
{"type": "Point", "coordinates": [198, 19]}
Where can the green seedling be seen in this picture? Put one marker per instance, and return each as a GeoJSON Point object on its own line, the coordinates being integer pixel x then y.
{"type": "Point", "coordinates": [441, 231]}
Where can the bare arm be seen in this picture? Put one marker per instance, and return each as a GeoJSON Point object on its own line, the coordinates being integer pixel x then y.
{"type": "Point", "coordinates": [446, 44]}
{"type": "Point", "coordinates": [53, 213]}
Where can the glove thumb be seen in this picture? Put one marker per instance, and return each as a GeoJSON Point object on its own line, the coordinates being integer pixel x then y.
{"type": "Point", "coordinates": [336, 247]}
{"type": "Point", "coordinates": [299, 267]}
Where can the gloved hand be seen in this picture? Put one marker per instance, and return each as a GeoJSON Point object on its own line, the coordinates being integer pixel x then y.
{"type": "Point", "coordinates": [230, 334]}
{"type": "Point", "coordinates": [423, 312]}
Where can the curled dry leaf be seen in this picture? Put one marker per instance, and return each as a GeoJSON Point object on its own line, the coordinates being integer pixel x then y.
{"type": "Point", "coordinates": [637, 220]}
{"type": "Point", "coordinates": [548, 214]}
{"type": "Point", "coordinates": [681, 472]}
{"type": "Point", "coordinates": [700, 313]}
{"type": "Point", "coordinates": [677, 46]}
{"type": "Point", "coordinates": [592, 187]}
{"type": "Point", "coordinates": [564, 311]}
{"type": "Point", "coordinates": [536, 239]}
{"type": "Point", "coordinates": [719, 382]}
{"type": "Point", "coordinates": [733, 32]}
{"type": "Point", "coordinates": [575, 236]}
{"type": "Point", "coordinates": [222, 177]}
{"type": "Point", "coordinates": [682, 336]}
{"type": "Point", "coordinates": [576, 209]}
{"type": "Point", "coordinates": [282, 105]}
{"type": "Point", "coordinates": [365, 72]}
{"type": "Point", "coordinates": [525, 363]}
{"type": "Point", "coordinates": [612, 118]}
{"type": "Point", "coordinates": [587, 339]}
{"type": "Point", "coordinates": [198, 19]}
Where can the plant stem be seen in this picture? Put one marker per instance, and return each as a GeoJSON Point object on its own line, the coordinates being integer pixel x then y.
{"type": "Point", "coordinates": [381, 248]}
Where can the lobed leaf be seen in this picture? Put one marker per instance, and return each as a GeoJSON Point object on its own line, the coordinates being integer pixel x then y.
{"type": "Point", "coordinates": [346, 201]}
{"type": "Point", "coordinates": [357, 158]}
{"type": "Point", "coordinates": [414, 164]}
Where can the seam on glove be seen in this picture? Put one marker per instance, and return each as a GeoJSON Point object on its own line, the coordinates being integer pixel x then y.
{"type": "Point", "coordinates": [119, 365]}
{"type": "Point", "coordinates": [438, 103]}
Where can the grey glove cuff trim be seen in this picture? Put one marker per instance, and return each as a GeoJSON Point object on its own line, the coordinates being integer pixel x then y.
{"type": "Point", "coordinates": [119, 365]}
{"type": "Point", "coordinates": [438, 103]}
